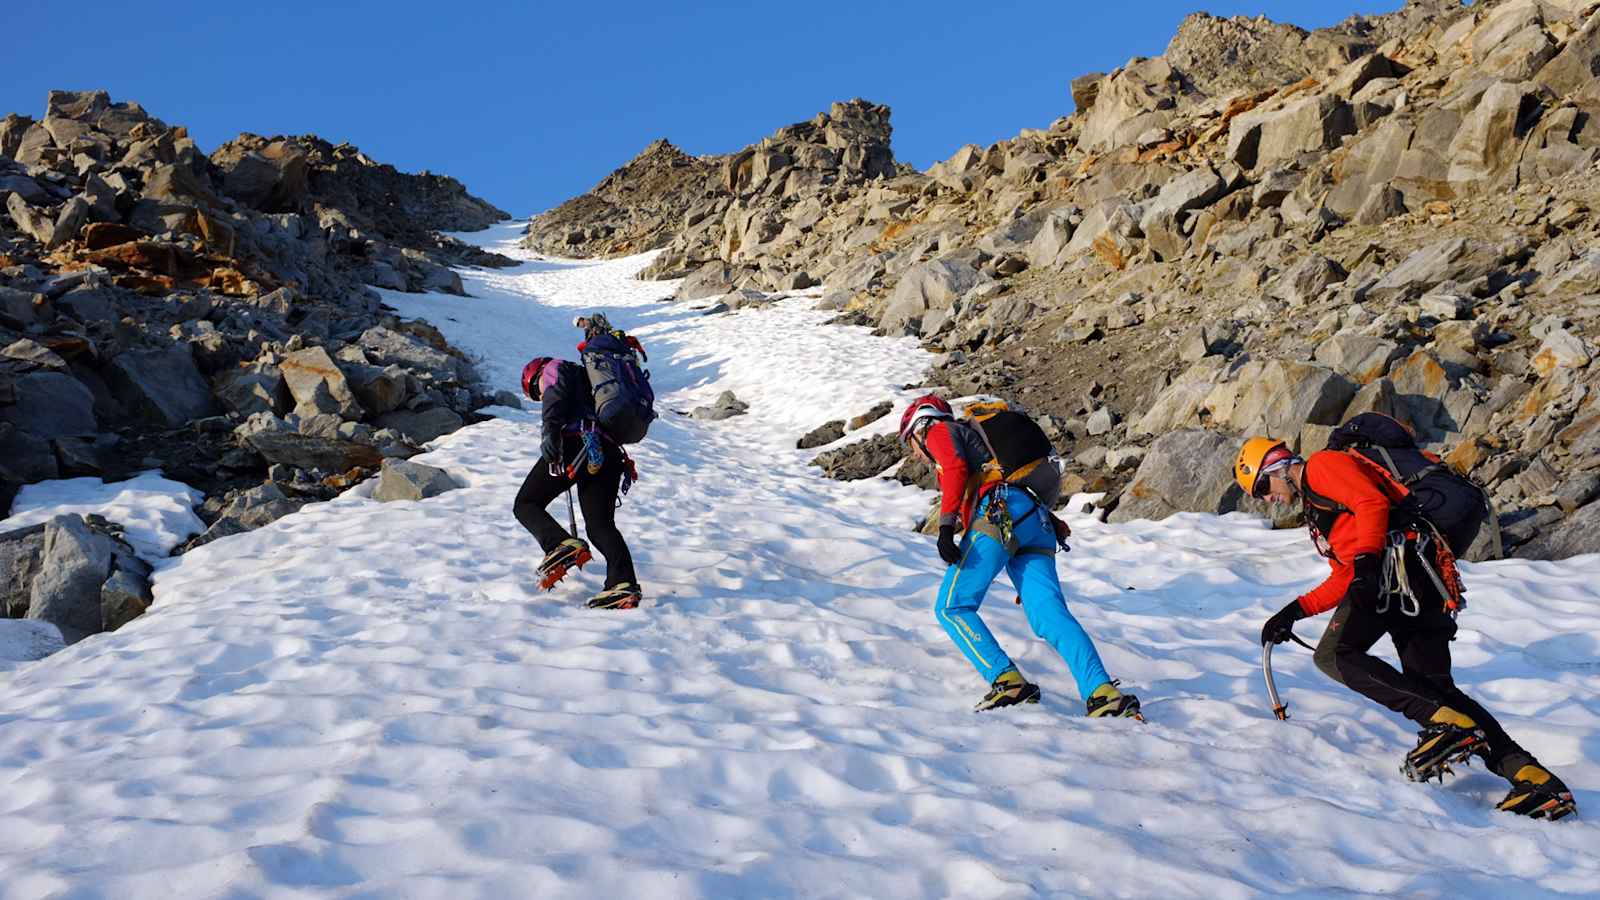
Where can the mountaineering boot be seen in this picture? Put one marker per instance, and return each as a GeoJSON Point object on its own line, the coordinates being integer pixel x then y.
{"type": "Point", "coordinates": [1449, 737]}
{"type": "Point", "coordinates": [623, 596]}
{"type": "Point", "coordinates": [1108, 702]}
{"type": "Point", "coordinates": [569, 553]}
{"type": "Point", "coordinates": [1009, 689]}
{"type": "Point", "coordinates": [1537, 794]}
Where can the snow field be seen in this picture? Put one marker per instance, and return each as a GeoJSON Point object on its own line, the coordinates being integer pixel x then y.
{"type": "Point", "coordinates": [374, 700]}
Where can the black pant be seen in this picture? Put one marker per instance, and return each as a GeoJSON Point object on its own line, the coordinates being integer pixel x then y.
{"type": "Point", "coordinates": [1424, 682]}
{"type": "Point", "coordinates": [597, 497]}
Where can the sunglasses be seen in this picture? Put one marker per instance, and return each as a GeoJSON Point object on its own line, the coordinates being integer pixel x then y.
{"type": "Point", "coordinates": [1263, 482]}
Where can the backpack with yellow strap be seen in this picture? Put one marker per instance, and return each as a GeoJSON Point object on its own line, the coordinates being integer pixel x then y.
{"type": "Point", "coordinates": [1020, 456]}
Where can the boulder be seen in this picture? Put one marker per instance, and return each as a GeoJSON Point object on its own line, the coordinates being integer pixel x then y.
{"type": "Point", "coordinates": [1305, 281]}
{"type": "Point", "coordinates": [1573, 69]}
{"type": "Point", "coordinates": [1051, 239]}
{"type": "Point", "coordinates": [878, 411]}
{"type": "Point", "coordinates": [164, 386]}
{"type": "Point", "coordinates": [1015, 235]}
{"type": "Point", "coordinates": [86, 456]}
{"type": "Point", "coordinates": [1272, 135]}
{"type": "Point", "coordinates": [387, 347]}
{"type": "Point", "coordinates": [1161, 217]}
{"type": "Point", "coordinates": [1486, 145]}
{"type": "Point", "coordinates": [248, 510]}
{"type": "Point", "coordinates": [1561, 349]}
{"type": "Point", "coordinates": [25, 457]}
{"type": "Point", "coordinates": [861, 459]}
{"type": "Point", "coordinates": [1180, 403]}
{"type": "Point", "coordinates": [421, 426]}
{"type": "Point", "coordinates": [74, 563]}
{"type": "Point", "coordinates": [933, 285]}
{"type": "Point", "coordinates": [710, 280]}
{"type": "Point", "coordinates": [1383, 203]}
{"type": "Point", "coordinates": [726, 406]}
{"type": "Point", "coordinates": [21, 555]}
{"type": "Point", "coordinates": [22, 309]}
{"type": "Point", "coordinates": [318, 384]}
{"type": "Point", "coordinates": [1277, 397]}
{"type": "Point", "coordinates": [405, 480]}
{"type": "Point", "coordinates": [259, 388]}
{"type": "Point", "coordinates": [1106, 228]}
{"type": "Point", "coordinates": [1362, 357]}
{"type": "Point", "coordinates": [1101, 421]}
{"type": "Point", "coordinates": [30, 351]}
{"type": "Point", "coordinates": [1421, 383]}
{"type": "Point", "coordinates": [51, 405]}
{"type": "Point", "coordinates": [1452, 259]}
{"type": "Point", "coordinates": [29, 220]}
{"type": "Point", "coordinates": [1578, 534]}
{"type": "Point", "coordinates": [69, 221]}
{"type": "Point", "coordinates": [278, 443]}
{"type": "Point", "coordinates": [271, 179]}
{"type": "Point", "coordinates": [1185, 471]}
{"type": "Point", "coordinates": [822, 435]}
{"type": "Point", "coordinates": [126, 594]}
{"type": "Point", "coordinates": [382, 390]}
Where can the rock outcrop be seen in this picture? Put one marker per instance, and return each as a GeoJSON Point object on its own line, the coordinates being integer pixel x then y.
{"type": "Point", "coordinates": [154, 299]}
{"type": "Point", "coordinates": [1263, 229]}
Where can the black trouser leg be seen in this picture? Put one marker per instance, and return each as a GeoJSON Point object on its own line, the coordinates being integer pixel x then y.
{"type": "Point", "coordinates": [538, 489]}
{"type": "Point", "coordinates": [1424, 647]}
{"type": "Point", "coordinates": [597, 495]}
{"type": "Point", "coordinates": [1342, 655]}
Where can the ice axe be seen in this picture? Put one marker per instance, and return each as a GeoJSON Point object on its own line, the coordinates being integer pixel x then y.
{"type": "Point", "coordinates": [1279, 708]}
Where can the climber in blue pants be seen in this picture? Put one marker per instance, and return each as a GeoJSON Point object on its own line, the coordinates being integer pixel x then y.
{"type": "Point", "coordinates": [996, 477]}
{"type": "Point", "coordinates": [1033, 572]}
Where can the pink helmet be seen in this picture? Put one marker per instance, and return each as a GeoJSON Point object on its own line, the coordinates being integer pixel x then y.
{"type": "Point", "coordinates": [530, 376]}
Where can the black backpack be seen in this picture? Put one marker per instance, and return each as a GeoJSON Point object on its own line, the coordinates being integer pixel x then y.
{"type": "Point", "coordinates": [624, 402]}
{"type": "Point", "coordinates": [1451, 502]}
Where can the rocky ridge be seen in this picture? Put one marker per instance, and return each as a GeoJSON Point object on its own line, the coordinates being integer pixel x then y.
{"type": "Point", "coordinates": [1264, 229]}
{"type": "Point", "coordinates": [212, 316]}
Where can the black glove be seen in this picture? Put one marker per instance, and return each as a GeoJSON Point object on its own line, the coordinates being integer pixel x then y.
{"type": "Point", "coordinates": [948, 551]}
{"type": "Point", "coordinates": [1364, 584]}
{"type": "Point", "coordinates": [1281, 625]}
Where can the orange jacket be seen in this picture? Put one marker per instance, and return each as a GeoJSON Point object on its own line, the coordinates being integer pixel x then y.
{"type": "Point", "coordinates": [1364, 492]}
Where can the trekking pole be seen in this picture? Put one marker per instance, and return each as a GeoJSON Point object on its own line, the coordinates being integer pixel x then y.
{"type": "Point", "coordinates": [1279, 708]}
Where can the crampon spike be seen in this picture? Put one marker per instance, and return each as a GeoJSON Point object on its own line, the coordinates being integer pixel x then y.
{"type": "Point", "coordinates": [554, 574]}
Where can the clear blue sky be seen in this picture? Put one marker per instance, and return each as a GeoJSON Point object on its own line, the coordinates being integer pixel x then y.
{"type": "Point", "coordinates": [530, 103]}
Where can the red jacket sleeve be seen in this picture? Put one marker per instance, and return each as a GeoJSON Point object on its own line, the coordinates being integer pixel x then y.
{"type": "Point", "coordinates": [1342, 478]}
{"type": "Point", "coordinates": [952, 472]}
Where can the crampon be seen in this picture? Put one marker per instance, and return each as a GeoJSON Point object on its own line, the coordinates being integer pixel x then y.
{"type": "Point", "coordinates": [1537, 794]}
{"type": "Point", "coordinates": [572, 553]}
{"type": "Point", "coordinates": [1439, 748]}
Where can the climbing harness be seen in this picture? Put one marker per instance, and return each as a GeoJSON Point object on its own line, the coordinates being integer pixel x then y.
{"type": "Point", "coordinates": [1435, 560]}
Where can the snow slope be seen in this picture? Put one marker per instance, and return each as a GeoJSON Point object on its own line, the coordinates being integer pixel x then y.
{"type": "Point", "coordinates": [370, 700]}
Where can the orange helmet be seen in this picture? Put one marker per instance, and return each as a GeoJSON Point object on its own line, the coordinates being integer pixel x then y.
{"type": "Point", "coordinates": [1258, 456]}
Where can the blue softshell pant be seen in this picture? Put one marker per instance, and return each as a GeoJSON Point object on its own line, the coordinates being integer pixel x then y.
{"type": "Point", "coordinates": [1033, 573]}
